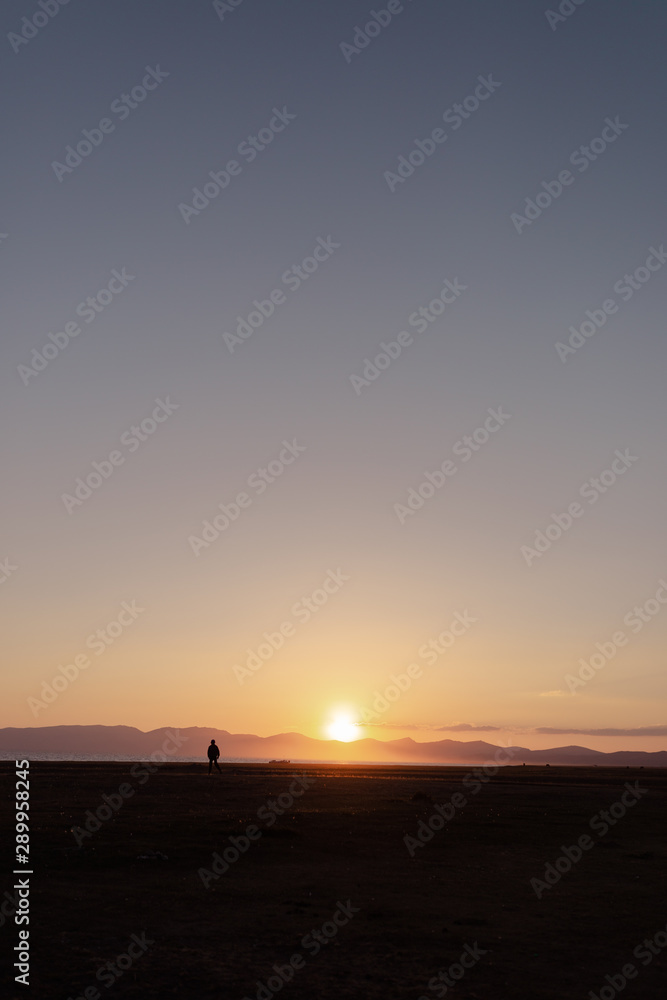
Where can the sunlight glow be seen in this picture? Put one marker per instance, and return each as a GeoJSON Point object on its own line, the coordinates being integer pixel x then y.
{"type": "Point", "coordinates": [342, 728]}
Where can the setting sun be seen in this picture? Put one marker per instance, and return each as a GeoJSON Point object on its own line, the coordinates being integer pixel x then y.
{"type": "Point", "coordinates": [342, 728]}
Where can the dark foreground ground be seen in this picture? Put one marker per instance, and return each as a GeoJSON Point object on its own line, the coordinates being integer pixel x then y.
{"type": "Point", "coordinates": [341, 841]}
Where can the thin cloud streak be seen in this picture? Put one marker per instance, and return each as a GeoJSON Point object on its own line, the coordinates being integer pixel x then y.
{"type": "Point", "coordinates": [467, 727]}
{"type": "Point", "coordinates": [459, 727]}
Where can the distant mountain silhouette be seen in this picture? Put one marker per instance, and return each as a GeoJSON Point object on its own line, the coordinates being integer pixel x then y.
{"type": "Point", "coordinates": [127, 741]}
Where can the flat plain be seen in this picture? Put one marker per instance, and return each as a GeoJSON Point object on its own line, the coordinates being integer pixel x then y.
{"type": "Point", "coordinates": [214, 929]}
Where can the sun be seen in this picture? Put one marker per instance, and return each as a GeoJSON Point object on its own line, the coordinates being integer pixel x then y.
{"type": "Point", "coordinates": [342, 728]}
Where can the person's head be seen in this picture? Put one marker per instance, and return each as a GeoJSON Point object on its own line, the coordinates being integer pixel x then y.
{"type": "Point", "coordinates": [213, 741]}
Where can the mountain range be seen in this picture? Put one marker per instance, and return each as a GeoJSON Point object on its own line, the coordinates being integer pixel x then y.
{"type": "Point", "coordinates": [127, 741]}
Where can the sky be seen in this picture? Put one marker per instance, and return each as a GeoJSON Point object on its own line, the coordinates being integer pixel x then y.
{"type": "Point", "coordinates": [332, 366]}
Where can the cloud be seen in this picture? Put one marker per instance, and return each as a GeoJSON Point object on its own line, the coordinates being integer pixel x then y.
{"type": "Point", "coordinates": [639, 731]}
{"type": "Point", "coordinates": [459, 727]}
{"type": "Point", "coordinates": [555, 694]}
{"type": "Point", "coordinates": [467, 727]}
{"type": "Point", "coordinates": [389, 725]}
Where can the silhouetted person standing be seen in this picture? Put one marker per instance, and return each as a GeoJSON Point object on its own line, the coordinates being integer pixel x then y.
{"type": "Point", "coordinates": [213, 754]}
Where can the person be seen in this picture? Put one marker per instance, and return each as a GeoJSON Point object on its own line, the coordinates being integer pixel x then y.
{"type": "Point", "coordinates": [213, 754]}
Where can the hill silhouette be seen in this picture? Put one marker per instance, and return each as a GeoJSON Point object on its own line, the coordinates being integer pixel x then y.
{"type": "Point", "coordinates": [129, 741]}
